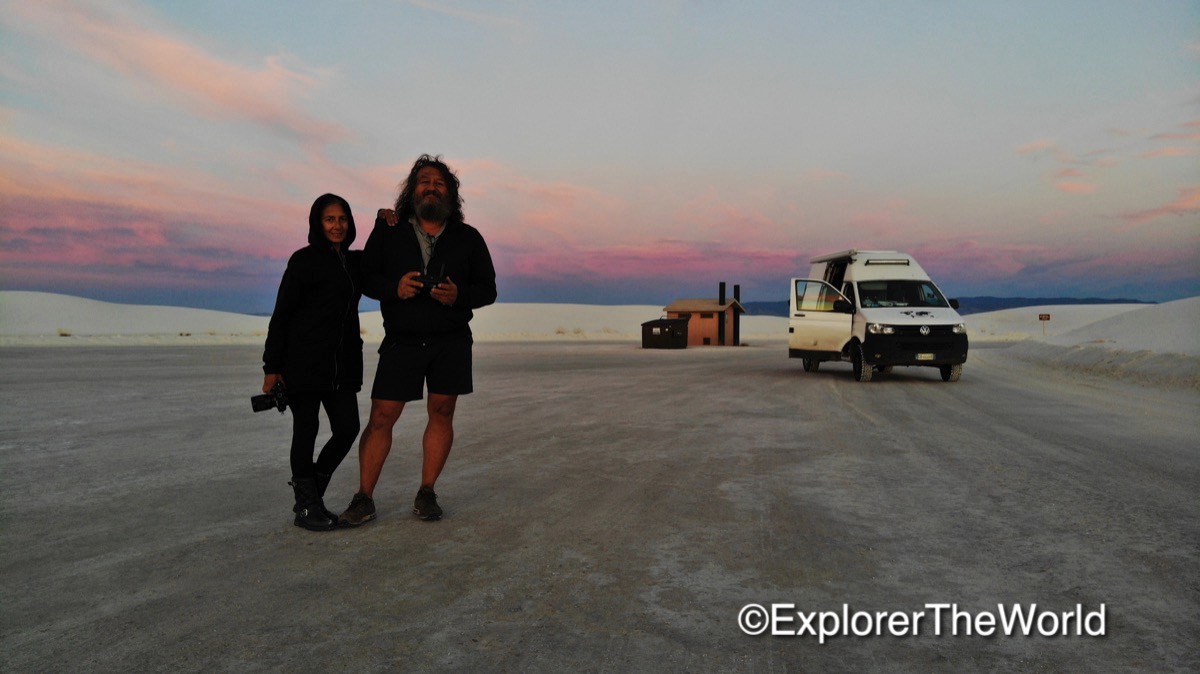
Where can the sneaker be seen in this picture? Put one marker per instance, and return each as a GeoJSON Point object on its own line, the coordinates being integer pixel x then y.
{"type": "Point", "coordinates": [426, 507]}
{"type": "Point", "coordinates": [361, 510]}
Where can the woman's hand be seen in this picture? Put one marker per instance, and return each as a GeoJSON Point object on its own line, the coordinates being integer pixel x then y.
{"type": "Point", "coordinates": [269, 381]}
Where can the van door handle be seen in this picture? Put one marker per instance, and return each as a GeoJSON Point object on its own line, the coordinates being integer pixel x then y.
{"type": "Point", "coordinates": [798, 315]}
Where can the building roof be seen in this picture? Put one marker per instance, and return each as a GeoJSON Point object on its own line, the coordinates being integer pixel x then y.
{"type": "Point", "coordinates": [703, 305]}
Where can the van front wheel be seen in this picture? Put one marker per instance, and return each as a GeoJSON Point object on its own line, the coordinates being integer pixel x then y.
{"type": "Point", "coordinates": [862, 369]}
{"type": "Point", "coordinates": [951, 372]}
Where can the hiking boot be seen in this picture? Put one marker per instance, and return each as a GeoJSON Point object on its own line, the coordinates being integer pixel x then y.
{"type": "Point", "coordinates": [426, 506]}
{"type": "Point", "coordinates": [361, 510]}
{"type": "Point", "coordinates": [310, 512]}
{"type": "Point", "coordinates": [322, 483]}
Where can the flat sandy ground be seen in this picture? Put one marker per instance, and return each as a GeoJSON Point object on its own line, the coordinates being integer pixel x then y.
{"type": "Point", "coordinates": [608, 508]}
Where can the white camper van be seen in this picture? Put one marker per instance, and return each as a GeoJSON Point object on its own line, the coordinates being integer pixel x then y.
{"type": "Point", "coordinates": [876, 309]}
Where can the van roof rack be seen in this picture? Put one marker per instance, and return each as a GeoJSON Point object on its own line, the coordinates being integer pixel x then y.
{"type": "Point", "coordinates": [897, 257]}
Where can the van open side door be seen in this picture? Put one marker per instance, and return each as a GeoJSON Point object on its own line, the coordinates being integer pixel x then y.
{"type": "Point", "coordinates": [820, 319]}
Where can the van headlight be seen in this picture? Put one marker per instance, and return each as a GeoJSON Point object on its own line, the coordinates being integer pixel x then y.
{"type": "Point", "coordinates": [960, 329]}
{"type": "Point", "coordinates": [880, 329]}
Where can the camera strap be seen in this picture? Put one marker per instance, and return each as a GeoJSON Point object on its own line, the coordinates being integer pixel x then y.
{"type": "Point", "coordinates": [427, 243]}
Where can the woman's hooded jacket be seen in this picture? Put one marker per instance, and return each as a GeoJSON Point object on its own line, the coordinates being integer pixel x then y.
{"type": "Point", "coordinates": [313, 339]}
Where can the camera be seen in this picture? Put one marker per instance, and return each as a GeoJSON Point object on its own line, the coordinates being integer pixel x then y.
{"type": "Point", "coordinates": [276, 398]}
{"type": "Point", "coordinates": [428, 282]}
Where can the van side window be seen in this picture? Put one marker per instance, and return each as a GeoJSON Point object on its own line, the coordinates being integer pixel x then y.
{"type": "Point", "coordinates": [930, 297]}
{"type": "Point", "coordinates": [814, 296]}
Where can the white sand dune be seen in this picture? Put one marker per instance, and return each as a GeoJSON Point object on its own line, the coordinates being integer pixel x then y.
{"type": "Point", "coordinates": [1160, 328]}
{"type": "Point", "coordinates": [36, 318]}
{"type": "Point", "coordinates": [46, 319]}
{"type": "Point", "coordinates": [1009, 325]}
{"type": "Point", "coordinates": [1149, 342]}
{"type": "Point", "coordinates": [1152, 344]}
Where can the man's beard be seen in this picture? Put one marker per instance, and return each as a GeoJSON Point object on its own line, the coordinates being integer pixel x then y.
{"type": "Point", "coordinates": [432, 210]}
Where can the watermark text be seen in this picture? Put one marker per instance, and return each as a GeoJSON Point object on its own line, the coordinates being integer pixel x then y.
{"type": "Point", "coordinates": [938, 619]}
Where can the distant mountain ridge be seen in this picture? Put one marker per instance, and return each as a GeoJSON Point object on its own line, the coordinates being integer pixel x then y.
{"type": "Point", "coordinates": [966, 305]}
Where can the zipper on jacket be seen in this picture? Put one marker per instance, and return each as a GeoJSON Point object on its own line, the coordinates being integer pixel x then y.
{"type": "Point", "coordinates": [345, 313]}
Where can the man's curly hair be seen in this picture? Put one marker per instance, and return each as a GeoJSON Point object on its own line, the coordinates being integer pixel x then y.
{"type": "Point", "coordinates": [404, 203]}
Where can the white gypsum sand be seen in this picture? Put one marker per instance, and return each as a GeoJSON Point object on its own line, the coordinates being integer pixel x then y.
{"type": "Point", "coordinates": [1144, 342]}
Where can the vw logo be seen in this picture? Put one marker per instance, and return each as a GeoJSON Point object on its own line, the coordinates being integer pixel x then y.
{"type": "Point", "coordinates": [924, 330]}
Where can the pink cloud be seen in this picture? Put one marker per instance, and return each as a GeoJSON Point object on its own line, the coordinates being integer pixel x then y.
{"type": "Point", "coordinates": [1188, 202]}
{"type": "Point", "coordinates": [1037, 146]}
{"type": "Point", "coordinates": [526, 211]}
{"type": "Point", "coordinates": [1028, 268]}
{"type": "Point", "coordinates": [1175, 260]}
{"type": "Point", "coordinates": [79, 215]}
{"type": "Point", "coordinates": [1047, 147]}
{"type": "Point", "coordinates": [1172, 152]}
{"type": "Point", "coordinates": [1175, 136]}
{"type": "Point", "coordinates": [979, 259]}
{"type": "Point", "coordinates": [1075, 187]}
{"type": "Point", "coordinates": [1069, 173]}
{"type": "Point", "coordinates": [656, 260]}
{"type": "Point", "coordinates": [85, 243]}
{"type": "Point", "coordinates": [169, 65]}
{"type": "Point", "coordinates": [530, 212]}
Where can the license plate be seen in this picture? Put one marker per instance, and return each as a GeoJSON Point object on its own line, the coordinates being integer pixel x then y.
{"type": "Point", "coordinates": [925, 356]}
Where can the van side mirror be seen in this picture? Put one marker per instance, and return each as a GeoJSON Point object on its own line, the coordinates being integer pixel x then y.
{"type": "Point", "coordinates": [954, 304]}
{"type": "Point", "coordinates": [843, 307]}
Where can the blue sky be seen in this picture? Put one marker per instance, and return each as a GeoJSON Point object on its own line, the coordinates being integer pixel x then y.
{"type": "Point", "coordinates": [610, 152]}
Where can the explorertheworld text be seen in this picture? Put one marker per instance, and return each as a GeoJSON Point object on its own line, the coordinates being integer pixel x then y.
{"type": "Point", "coordinates": [936, 619]}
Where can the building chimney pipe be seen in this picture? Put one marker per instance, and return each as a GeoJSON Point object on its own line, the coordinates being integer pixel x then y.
{"type": "Point", "coordinates": [737, 292]}
{"type": "Point", "coordinates": [721, 294]}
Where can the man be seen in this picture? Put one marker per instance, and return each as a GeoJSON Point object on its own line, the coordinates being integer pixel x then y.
{"type": "Point", "coordinates": [428, 271]}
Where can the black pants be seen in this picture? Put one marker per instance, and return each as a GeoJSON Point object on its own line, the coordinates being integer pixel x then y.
{"type": "Point", "coordinates": [342, 409]}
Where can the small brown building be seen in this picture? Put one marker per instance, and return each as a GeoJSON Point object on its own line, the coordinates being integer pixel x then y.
{"type": "Point", "coordinates": [710, 321]}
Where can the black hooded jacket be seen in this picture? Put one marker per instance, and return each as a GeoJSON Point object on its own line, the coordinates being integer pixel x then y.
{"type": "Point", "coordinates": [313, 339]}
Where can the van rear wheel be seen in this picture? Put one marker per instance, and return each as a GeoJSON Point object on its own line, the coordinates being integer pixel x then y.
{"type": "Point", "coordinates": [810, 364]}
{"type": "Point", "coordinates": [951, 372]}
{"type": "Point", "coordinates": [862, 369]}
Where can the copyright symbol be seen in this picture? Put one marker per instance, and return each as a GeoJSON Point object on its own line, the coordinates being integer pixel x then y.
{"type": "Point", "coordinates": [753, 619]}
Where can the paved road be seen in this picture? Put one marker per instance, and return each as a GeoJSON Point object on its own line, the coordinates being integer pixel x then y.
{"type": "Point", "coordinates": [608, 509]}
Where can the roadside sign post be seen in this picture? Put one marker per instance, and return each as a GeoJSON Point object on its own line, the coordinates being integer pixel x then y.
{"type": "Point", "coordinates": [1044, 318]}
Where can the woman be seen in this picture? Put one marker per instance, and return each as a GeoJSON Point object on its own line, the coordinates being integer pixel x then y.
{"type": "Point", "coordinates": [314, 350]}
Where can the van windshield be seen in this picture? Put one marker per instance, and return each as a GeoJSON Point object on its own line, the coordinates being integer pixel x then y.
{"type": "Point", "coordinates": [900, 294]}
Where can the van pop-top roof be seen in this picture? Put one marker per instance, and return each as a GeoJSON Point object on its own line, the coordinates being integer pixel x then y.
{"type": "Point", "coordinates": [868, 257]}
{"type": "Point", "coordinates": [871, 264]}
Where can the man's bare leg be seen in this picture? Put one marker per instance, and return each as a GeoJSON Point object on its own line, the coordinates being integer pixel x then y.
{"type": "Point", "coordinates": [376, 442]}
{"type": "Point", "coordinates": [439, 437]}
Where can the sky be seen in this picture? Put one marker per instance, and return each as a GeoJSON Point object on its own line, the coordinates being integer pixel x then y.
{"type": "Point", "coordinates": [609, 152]}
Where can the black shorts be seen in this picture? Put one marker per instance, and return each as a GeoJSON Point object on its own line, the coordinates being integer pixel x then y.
{"type": "Point", "coordinates": [404, 369]}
